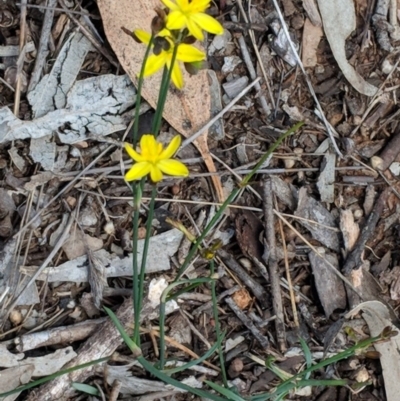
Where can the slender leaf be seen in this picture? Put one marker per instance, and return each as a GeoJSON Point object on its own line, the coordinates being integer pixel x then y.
{"type": "Point", "coordinates": [307, 355]}
{"type": "Point", "coordinates": [85, 388]}
{"type": "Point", "coordinates": [128, 341]}
{"type": "Point", "coordinates": [225, 391]}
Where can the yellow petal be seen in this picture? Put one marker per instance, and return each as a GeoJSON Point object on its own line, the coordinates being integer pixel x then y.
{"type": "Point", "coordinates": [142, 35]}
{"type": "Point", "coordinates": [183, 4]}
{"type": "Point", "coordinates": [155, 174]}
{"type": "Point", "coordinates": [138, 171]}
{"type": "Point", "coordinates": [188, 53]}
{"type": "Point", "coordinates": [154, 63]}
{"type": "Point", "coordinates": [208, 23]}
{"type": "Point", "coordinates": [173, 167]}
{"type": "Point", "coordinates": [149, 147]}
{"type": "Point", "coordinates": [194, 28]}
{"type": "Point", "coordinates": [169, 4]}
{"type": "Point", "coordinates": [176, 20]}
{"type": "Point", "coordinates": [176, 75]}
{"type": "Point", "coordinates": [171, 148]}
{"type": "Point", "coordinates": [165, 33]}
{"type": "Point", "coordinates": [132, 153]}
{"type": "Point", "coordinates": [198, 6]}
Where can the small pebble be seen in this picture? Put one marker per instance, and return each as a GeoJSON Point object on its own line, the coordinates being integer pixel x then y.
{"type": "Point", "coordinates": [15, 317]}
{"type": "Point", "coordinates": [230, 63]}
{"type": "Point", "coordinates": [297, 21]}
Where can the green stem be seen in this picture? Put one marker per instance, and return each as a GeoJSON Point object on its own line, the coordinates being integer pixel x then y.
{"type": "Point", "coordinates": [146, 245]}
{"type": "Point", "coordinates": [162, 97]}
{"type": "Point", "coordinates": [139, 93]}
{"type": "Point", "coordinates": [137, 190]}
{"type": "Point", "coordinates": [230, 198]}
{"type": "Point", "coordinates": [159, 110]}
{"type": "Point", "coordinates": [217, 326]}
{"type": "Point", "coordinates": [137, 193]}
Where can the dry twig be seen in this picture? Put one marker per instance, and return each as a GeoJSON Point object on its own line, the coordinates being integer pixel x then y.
{"type": "Point", "coordinates": [248, 323]}
{"type": "Point", "coordinates": [271, 259]}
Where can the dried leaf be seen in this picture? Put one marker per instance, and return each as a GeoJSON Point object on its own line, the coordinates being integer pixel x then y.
{"type": "Point", "coordinates": [331, 291]}
{"type": "Point", "coordinates": [339, 19]}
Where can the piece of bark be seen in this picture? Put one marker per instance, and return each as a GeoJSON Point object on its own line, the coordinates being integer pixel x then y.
{"type": "Point", "coordinates": [58, 335]}
{"type": "Point", "coordinates": [349, 228]}
{"type": "Point", "coordinates": [353, 261]}
{"type": "Point", "coordinates": [256, 288]}
{"type": "Point", "coordinates": [330, 288]}
{"type": "Point", "coordinates": [284, 192]}
{"type": "Point", "coordinates": [14, 377]}
{"type": "Point", "coordinates": [248, 228]}
{"type": "Point", "coordinates": [311, 209]}
{"type": "Point", "coordinates": [271, 259]}
{"type": "Point", "coordinates": [312, 35]}
{"type": "Point", "coordinates": [326, 179]}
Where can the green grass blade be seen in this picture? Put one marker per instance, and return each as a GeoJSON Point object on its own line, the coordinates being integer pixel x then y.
{"type": "Point", "coordinates": [307, 355]}
{"type": "Point", "coordinates": [128, 341]}
{"type": "Point", "coordinates": [231, 396]}
{"type": "Point", "coordinates": [327, 382]}
{"type": "Point", "coordinates": [85, 388]}
{"type": "Point", "coordinates": [220, 336]}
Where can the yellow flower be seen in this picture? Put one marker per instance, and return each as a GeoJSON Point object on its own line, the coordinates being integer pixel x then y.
{"type": "Point", "coordinates": [185, 53]}
{"type": "Point", "coordinates": [154, 159]}
{"type": "Point", "coordinates": [190, 14]}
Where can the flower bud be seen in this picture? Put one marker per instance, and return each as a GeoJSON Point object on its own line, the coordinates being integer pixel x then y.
{"type": "Point", "coordinates": [158, 22]}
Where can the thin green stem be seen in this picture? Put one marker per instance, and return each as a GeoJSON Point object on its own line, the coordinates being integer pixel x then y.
{"type": "Point", "coordinates": [137, 190]}
{"type": "Point", "coordinates": [162, 97]}
{"type": "Point", "coordinates": [159, 111]}
{"type": "Point", "coordinates": [230, 198]}
{"type": "Point", "coordinates": [217, 325]}
{"type": "Point", "coordinates": [137, 193]}
{"type": "Point", "coordinates": [135, 128]}
{"type": "Point", "coordinates": [146, 245]}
